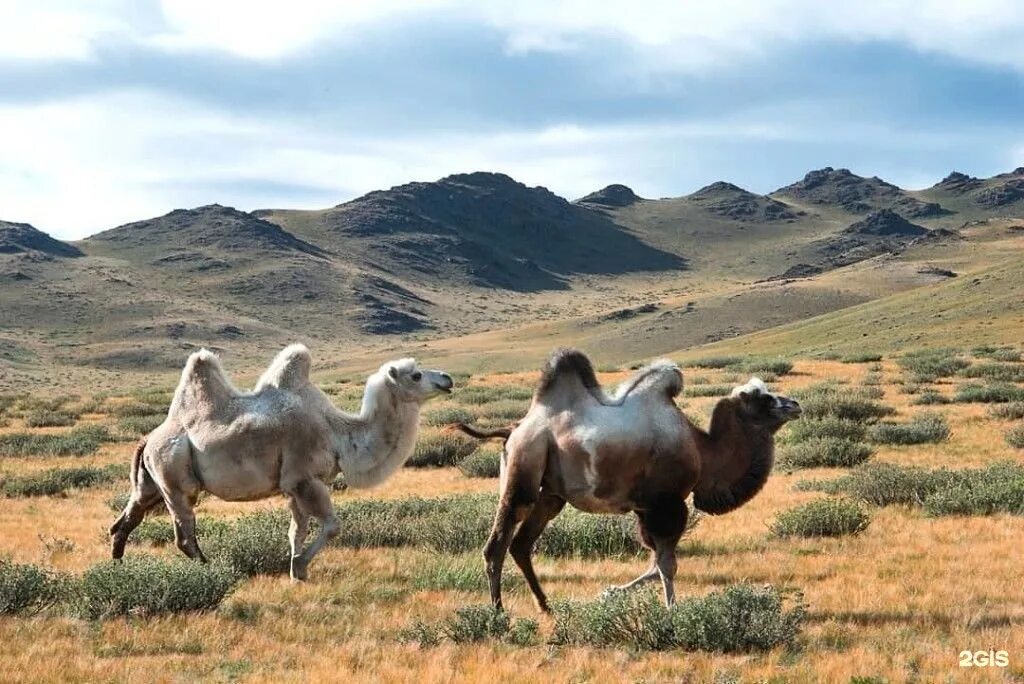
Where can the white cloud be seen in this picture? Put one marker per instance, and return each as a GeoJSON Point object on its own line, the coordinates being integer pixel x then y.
{"type": "Point", "coordinates": [664, 34]}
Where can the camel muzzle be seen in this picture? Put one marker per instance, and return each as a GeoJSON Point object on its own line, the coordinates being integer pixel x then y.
{"type": "Point", "coordinates": [445, 384]}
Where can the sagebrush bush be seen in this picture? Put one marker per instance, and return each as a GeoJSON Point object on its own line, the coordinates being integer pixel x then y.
{"type": "Point", "coordinates": [829, 399]}
{"type": "Point", "coordinates": [885, 484]}
{"type": "Point", "coordinates": [254, 544]}
{"type": "Point", "coordinates": [775, 366]}
{"type": "Point", "coordinates": [472, 624]}
{"type": "Point", "coordinates": [930, 398]}
{"type": "Point", "coordinates": [825, 427]}
{"type": "Point", "coordinates": [60, 480]}
{"type": "Point", "coordinates": [1004, 372]}
{"type": "Point", "coordinates": [994, 393]}
{"type": "Point", "coordinates": [482, 394]}
{"type": "Point", "coordinates": [1009, 411]}
{"type": "Point", "coordinates": [740, 618]}
{"type": "Point", "coordinates": [861, 357]}
{"type": "Point", "coordinates": [707, 390]}
{"type": "Point", "coordinates": [502, 412]}
{"type": "Point", "coordinates": [138, 408]}
{"type": "Point", "coordinates": [460, 573]}
{"type": "Point", "coordinates": [1007, 355]}
{"type": "Point", "coordinates": [925, 428]}
{"type": "Point", "coordinates": [26, 588]}
{"type": "Point", "coordinates": [160, 531]}
{"type": "Point", "coordinates": [133, 427]}
{"type": "Point", "coordinates": [1015, 436]}
{"type": "Point", "coordinates": [821, 518]}
{"type": "Point", "coordinates": [446, 415]}
{"type": "Point", "coordinates": [997, 488]}
{"type": "Point", "coordinates": [874, 380]}
{"type": "Point", "coordinates": [79, 441]}
{"type": "Point", "coordinates": [484, 462]}
{"type": "Point", "coordinates": [933, 363]}
{"type": "Point", "coordinates": [142, 584]}
{"type": "Point", "coordinates": [48, 418]}
{"type": "Point", "coordinates": [444, 448]}
{"type": "Point", "coordinates": [824, 452]}
{"type": "Point", "coordinates": [715, 362]}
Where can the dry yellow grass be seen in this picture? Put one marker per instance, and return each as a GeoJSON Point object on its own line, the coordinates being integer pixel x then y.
{"type": "Point", "coordinates": [899, 601]}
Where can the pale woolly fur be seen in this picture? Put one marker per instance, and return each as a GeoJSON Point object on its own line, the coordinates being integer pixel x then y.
{"type": "Point", "coordinates": [753, 386]}
{"type": "Point", "coordinates": [659, 372]}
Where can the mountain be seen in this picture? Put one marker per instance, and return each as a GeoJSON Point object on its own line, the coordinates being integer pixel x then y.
{"type": "Point", "coordinates": [477, 229]}
{"type": "Point", "coordinates": [615, 195]}
{"type": "Point", "coordinates": [857, 194]}
{"type": "Point", "coordinates": [486, 270]}
{"type": "Point", "coordinates": [733, 202]}
{"type": "Point", "coordinates": [22, 238]}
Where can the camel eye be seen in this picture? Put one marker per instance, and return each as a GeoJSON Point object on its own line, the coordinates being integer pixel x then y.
{"type": "Point", "coordinates": [417, 376]}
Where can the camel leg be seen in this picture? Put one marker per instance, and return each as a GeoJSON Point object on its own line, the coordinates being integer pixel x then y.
{"type": "Point", "coordinates": [180, 505]}
{"type": "Point", "coordinates": [298, 530]}
{"type": "Point", "coordinates": [523, 542]}
{"type": "Point", "coordinates": [143, 498]}
{"type": "Point", "coordinates": [314, 499]}
{"type": "Point", "coordinates": [666, 522]}
{"type": "Point", "coordinates": [650, 573]}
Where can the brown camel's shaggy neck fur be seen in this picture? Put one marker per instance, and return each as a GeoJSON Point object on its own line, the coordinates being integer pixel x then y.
{"type": "Point", "coordinates": [736, 458]}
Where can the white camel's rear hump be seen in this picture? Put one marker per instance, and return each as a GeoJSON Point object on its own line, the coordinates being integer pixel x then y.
{"type": "Point", "coordinates": [289, 370]}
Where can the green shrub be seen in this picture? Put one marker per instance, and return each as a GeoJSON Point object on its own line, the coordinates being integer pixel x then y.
{"type": "Point", "coordinates": [925, 428]}
{"type": "Point", "coordinates": [740, 618]}
{"type": "Point", "coordinates": [861, 357]}
{"type": "Point", "coordinates": [824, 452]}
{"type": "Point", "coordinates": [933, 363]}
{"type": "Point", "coordinates": [133, 427]}
{"type": "Point", "coordinates": [886, 484]}
{"type": "Point", "coordinates": [1007, 354]}
{"type": "Point", "coordinates": [822, 518]}
{"type": "Point", "coordinates": [472, 624]}
{"type": "Point", "coordinates": [25, 404]}
{"type": "Point", "coordinates": [26, 588]}
{"type": "Point", "coordinates": [831, 399]}
{"type": "Point", "coordinates": [255, 544]}
{"type": "Point", "coordinates": [482, 394]}
{"type": "Point", "coordinates": [446, 415]}
{"type": "Point", "coordinates": [138, 408]}
{"type": "Point", "coordinates": [441, 449]}
{"type": "Point", "coordinates": [60, 480]}
{"type": "Point", "coordinates": [930, 398]}
{"type": "Point", "coordinates": [578, 534]}
{"type": "Point", "coordinates": [1015, 436]}
{"type": "Point", "coordinates": [484, 462]}
{"type": "Point", "coordinates": [826, 427]}
{"type": "Point", "coordinates": [707, 390]}
{"type": "Point", "coordinates": [776, 366]}
{"type": "Point", "coordinates": [1010, 411]}
{"type": "Point", "coordinates": [148, 585]}
{"type": "Point", "coordinates": [160, 531]}
{"type": "Point", "coordinates": [47, 418]}
{"type": "Point", "coordinates": [716, 362]}
{"type": "Point", "coordinates": [79, 441]}
{"type": "Point", "coordinates": [999, 488]}
{"type": "Point", "coordinates": [502, 412]}
{"type": "Point", "coordinates": [995, 393]}
{"type": "Point", "coordinates": [873, 380]}
{"type": "Point", "coordinates": [1003, 372]}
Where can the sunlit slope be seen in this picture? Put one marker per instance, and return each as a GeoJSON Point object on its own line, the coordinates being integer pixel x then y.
{"type": "Point", "coordinates": [984, 306]}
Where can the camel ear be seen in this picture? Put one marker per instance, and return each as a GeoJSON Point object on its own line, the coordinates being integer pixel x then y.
{"type": "Point", "coordinates": [393, 372]}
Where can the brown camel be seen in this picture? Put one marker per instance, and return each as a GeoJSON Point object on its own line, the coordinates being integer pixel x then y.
{"type": "Point", "coordinates": [284, 437]}
{"type": "Point", "coordinates": [633, 452]}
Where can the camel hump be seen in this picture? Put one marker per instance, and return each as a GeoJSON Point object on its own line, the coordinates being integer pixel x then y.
{"type": "Point", "coordinates": [289, 370]}
{"type": "Point", "coordinates": [203, 384]}
{"type": "Point", "coordinates": [661, 376]}
{"type": "Point", "coordinates": [568, 363]}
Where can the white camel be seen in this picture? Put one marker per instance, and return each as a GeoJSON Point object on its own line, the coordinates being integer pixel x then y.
{"type": "Point", "coordinates": [284, 437]}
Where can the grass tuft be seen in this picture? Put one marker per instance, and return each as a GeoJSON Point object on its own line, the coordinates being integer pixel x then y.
{"type": "Point", "coordinates": [995, 393]}
{"type": "Point", "coordinates": [60, 480]}
{"type": "Point", "coordinates": [925, 428]}
{"type": "Point", "coordinates": [484, 462]}
{"type": "Point", "coordinates": [824, 452]}
{"type": "Point", "coordinates": [79, 441]}
{"type": "Point", "coordinates": [1010, 411]}
{"type": "Point", "coordinates": [439, 449]}
{"type": "Point", "coordinates": [1015, 437]}
{"type": "Point", "coordinates": [821, 518]}
{"type": "Point", "coordinates": [861, 357]}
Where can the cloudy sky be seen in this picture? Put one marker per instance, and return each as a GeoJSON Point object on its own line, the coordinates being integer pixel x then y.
{"type": "Point", "coordinates": [116, 110]}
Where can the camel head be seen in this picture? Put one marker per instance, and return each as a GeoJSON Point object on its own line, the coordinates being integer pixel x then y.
{"type": "Point", "coordinates": [413, 383]}
{"type": "Point", "coordinates": [759, 407]}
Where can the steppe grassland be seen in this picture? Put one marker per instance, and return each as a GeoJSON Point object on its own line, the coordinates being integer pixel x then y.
{"type": "Point", "coordinates": [896, 601]}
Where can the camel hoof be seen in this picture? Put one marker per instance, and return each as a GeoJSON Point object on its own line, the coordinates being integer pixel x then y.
{"type": "Point", "coordinates": [298, 571]}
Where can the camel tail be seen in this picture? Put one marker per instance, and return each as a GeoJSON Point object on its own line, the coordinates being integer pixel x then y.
{"type": "Point", "coordinates": [483, 434]}
{"type": "Point", "coordinates": [137, 463]}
